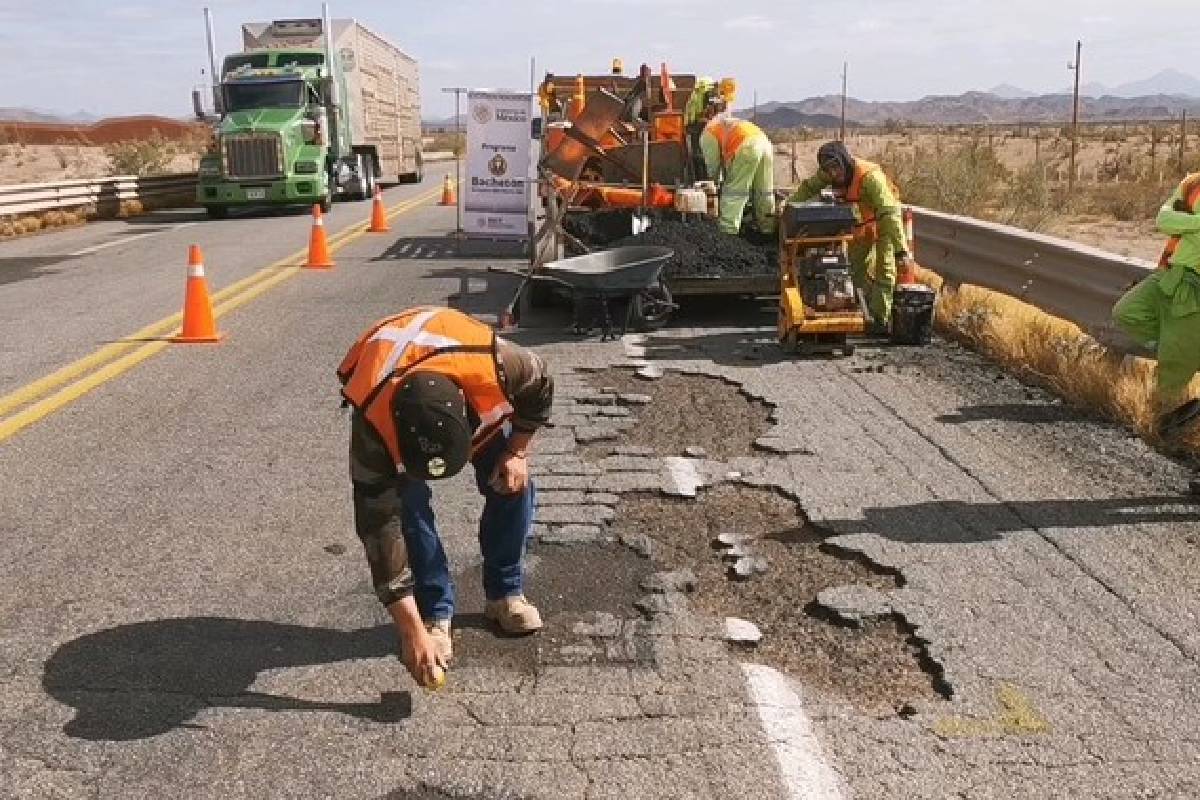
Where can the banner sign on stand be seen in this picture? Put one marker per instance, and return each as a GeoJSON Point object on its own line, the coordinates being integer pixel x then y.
{"type": "Point", "coordinates": [495, 198]}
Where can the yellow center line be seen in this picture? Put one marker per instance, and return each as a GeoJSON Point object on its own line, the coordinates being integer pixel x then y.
{"type": "Point", "coordinates": [118, 357]}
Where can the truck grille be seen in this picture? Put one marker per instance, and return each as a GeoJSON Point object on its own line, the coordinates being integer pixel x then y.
{"type": "Point", "coordinates": [253, 156]}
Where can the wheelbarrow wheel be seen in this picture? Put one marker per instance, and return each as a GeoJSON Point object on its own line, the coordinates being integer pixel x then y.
{"type": "Point", "coordinates": [650, 309]}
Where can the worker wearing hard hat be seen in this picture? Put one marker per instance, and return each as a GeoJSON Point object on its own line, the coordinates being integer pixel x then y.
{"type": "Point", "coordinates": [739, 150]}
{"type": "Point", "coordinates": [879, 240]}
{"type": "Point", "coordinates": [1162, 311]}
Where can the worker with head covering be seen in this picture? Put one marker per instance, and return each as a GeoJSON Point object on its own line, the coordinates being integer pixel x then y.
{"type": "Point", "coordinates": [1162, 311]}
{"type": "Point", "coordinates": [737, 151]}
{"type": "Point", "coordinates": [879, 240]}
{"type": "Point", "coordinates": [433, 390]}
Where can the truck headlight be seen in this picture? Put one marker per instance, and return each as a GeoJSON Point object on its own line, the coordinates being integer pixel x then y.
{"type": "Point", "coordinates": [306, 167]}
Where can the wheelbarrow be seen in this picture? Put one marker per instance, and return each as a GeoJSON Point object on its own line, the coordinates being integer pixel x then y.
{"type": "Point", "coordinates": [604, 285]}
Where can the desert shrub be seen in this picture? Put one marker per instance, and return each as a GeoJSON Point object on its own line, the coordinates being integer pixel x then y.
{"type": "Point", "coordinates": [1128, 201]}
{"type": "Point", "coordinates": [1028, 199]}
{"type": "Point", "coordinates": [141, 156]}
{"type": "Point", "coordinates": [961, 178]}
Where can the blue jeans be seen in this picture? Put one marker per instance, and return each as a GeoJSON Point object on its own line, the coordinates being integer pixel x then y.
{"type": "Point", "coordinates": [503, 530]}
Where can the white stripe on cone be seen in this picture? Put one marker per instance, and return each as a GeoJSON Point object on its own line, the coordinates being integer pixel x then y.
{"type": "Point", "coordinates": [195, 270]}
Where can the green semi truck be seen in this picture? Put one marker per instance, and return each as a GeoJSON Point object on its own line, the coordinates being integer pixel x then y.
{"type": "Point", "coordinates": [311, 110]}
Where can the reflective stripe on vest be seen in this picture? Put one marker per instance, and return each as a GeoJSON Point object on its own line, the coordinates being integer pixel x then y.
{"type": "Point", "coordinates": [1190, 190]}
{"type": "Point", "coordinates": [867, 228]}
{"type": "Point", "coordinates": [731, 133]}
{"type": "Point", "coordinates": [439, 340]}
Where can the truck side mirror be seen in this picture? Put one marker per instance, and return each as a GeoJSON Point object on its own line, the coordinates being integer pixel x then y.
{"type": "Point", "coordinates": [198, 105]}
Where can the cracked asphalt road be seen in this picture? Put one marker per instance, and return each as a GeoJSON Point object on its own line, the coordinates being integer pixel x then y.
{"type": "Point", "coordinates": [185, 608]}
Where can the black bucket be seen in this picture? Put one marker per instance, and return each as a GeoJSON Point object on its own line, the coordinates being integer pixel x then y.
{"type": "Point", "coordinates": [912, 313]}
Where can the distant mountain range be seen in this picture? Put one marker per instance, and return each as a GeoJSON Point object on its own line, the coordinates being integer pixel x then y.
{"type": "Point", "coordinates": [9, 114]}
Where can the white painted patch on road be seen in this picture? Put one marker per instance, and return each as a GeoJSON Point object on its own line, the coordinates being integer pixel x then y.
{"type": "Point", "coordinates": [87, 251]}
{"type": "Point", "coordinates": [683, 479]}
{"type": "Point", "coordinates": [805, 773]}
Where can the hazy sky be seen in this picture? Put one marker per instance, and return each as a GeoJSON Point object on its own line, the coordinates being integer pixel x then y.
{"type": "Point", "coordinates": [144, 56]}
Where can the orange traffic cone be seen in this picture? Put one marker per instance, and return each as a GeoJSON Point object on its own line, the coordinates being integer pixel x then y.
{"type": "Point", "coordinates": [378, 215]}
{"type": "Point", "coordinates": [318, 245]}
{"type": "Point", "coordinates": [449, 198]}
{"type": "Point", "coordinates": [198, 324]}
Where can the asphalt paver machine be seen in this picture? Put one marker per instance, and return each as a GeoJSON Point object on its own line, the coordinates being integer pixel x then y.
{"type": "Point", "coordinates": [819, 308]}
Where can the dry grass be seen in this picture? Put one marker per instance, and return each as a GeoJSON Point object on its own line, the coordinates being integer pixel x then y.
{"type": "Point", "coordinates": [1053, 353]}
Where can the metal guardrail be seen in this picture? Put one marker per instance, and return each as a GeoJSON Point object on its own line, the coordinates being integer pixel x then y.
{"type": "Point", "coordinates": [103, 193]}
{"type": "Point", "coordinates": [1069, 280]}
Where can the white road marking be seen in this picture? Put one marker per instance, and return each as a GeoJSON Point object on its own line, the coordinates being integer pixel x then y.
{"type": "Point", "coordinates": [685, 480]}
{"type": "Point", "coordinates": [98, 247]}
{"type": "Point", "coordinates": [802, 766]}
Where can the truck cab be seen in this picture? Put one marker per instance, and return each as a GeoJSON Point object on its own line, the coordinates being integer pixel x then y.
{"type": "Point", "coordinates": [272, 142]}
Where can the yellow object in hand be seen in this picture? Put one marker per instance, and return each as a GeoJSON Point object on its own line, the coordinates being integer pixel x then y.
{"type": "Point", "coordinates": [435, 678]}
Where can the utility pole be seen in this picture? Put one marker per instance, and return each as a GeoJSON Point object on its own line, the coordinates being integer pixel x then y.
{"type": "Point", "coordinates": [1074, 118]}
{"type": "Point", "coordinates": [842, 132]}
{"type": "Point", "coordinates": [460, 141]}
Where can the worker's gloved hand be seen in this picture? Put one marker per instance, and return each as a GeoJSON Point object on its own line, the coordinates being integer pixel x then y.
{"type": "Point", "coordinates": [420, 657]}
{"type": "Point", "coordinates": [511, 475]}
{"type": "Point", "coordinates": [906, 268]}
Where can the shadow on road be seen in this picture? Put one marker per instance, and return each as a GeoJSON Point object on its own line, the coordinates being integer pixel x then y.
{"type": "Point", "coordinates": [960, 522]}
{"type": "Point", "coordinates": [145, 679]}
{"type": "Point", "coordinates": [23, 268]}
{"type": "Point", "coordinates": [449, 248]}
{"type": "Point", "coordinates": [1032, 413]}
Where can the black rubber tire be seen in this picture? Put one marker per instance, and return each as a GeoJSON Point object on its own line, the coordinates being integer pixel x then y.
{"type": "Point", "coordinates": [217, 212]}
{"type": "Point", "coordinates": [651, 309]}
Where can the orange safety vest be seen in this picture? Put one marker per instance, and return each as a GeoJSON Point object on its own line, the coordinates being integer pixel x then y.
{"type": "Point", "coordinates": [1190, 189]}
{"type": "Point", "coordinates": [868, 228]}
{"type": "Point", "coordinates": [731, 133]}
{"type": "Point", "coordinates": [437, 339]}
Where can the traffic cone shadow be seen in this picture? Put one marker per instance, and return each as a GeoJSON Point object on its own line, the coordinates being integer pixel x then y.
{"type": "Point", "coordinates": [449, 196]}
{"type": "Point", "coordinates": [379, 223]}
{"type": "Point", "coordinates": [318, 244]}
{"type": "Point", "coordinates": [198, 323]}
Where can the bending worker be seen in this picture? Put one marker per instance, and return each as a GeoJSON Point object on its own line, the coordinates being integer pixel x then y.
{"type": "Point", "coordinates": [743, 152]}
{"type": "Point", "coordinates": [879, 240]}
{"type": "Point", "coordinates": [432, 389]}
{"type": "Point", "coordinates": [1163, 310]}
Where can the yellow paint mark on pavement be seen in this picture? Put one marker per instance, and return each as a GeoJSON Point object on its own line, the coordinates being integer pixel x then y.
{"type": "Point", "coordinates": [40, 399]}
{"type": "Point", "coordinates": [1017, 717]}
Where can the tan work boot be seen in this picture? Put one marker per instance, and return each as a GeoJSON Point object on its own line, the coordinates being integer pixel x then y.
{"type": "Point", "coordinates": [514, 614]}
{"type": "Point", "coordinates": [439, 632]}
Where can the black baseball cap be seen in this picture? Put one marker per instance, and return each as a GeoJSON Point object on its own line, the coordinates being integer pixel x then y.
{"type": "Point", "coordinates": [432, 428]}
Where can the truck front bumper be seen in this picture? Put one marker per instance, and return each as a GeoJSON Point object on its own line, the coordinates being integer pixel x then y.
{"type": "Point", "coordinates": [282, 191]}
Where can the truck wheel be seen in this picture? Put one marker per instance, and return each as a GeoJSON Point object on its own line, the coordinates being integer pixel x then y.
{"type": "Point", "coordinates": [217, 212]}
{"type": "Point", "coordinates": [326, 204]}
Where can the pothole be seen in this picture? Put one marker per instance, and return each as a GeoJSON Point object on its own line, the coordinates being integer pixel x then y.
{"type": "Point", "coordinates": [877, 667]}
{"type": "Point", "coordinates": [686, 411]}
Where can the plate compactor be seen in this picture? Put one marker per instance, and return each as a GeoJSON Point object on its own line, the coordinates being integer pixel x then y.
{"type": "Point", "coordinates": [818, 305]}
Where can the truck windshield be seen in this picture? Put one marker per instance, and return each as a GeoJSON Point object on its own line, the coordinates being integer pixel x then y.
{"type": "Point", "coordinates": [264, 94]}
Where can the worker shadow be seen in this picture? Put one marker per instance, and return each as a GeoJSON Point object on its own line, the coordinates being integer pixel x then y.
{"type": "Point", "coordinates": [962, 522]}
{"type": "Point", "coordinates": [1030, 413]}
{"type": "Point", "coordinates": [449, 248]}
{"type": "Point", "coordinates": [145, 679]}
{"type": "Point", "coordinates": [479, 293]}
